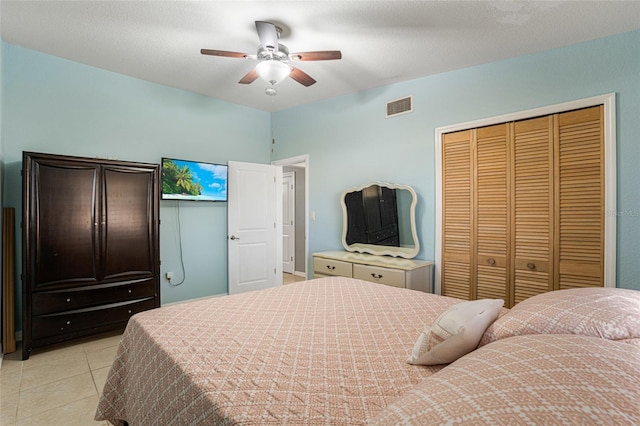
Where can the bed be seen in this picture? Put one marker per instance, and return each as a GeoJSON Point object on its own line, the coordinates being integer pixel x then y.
{"type": "Point", "coordinates": [332, 351]}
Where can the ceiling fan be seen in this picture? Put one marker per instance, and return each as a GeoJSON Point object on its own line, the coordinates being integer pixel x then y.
{"type": "Point", "coordinates": [274, 59]}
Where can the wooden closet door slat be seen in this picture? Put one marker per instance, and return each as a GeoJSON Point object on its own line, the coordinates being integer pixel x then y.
{"type": "Point", "coordinates": [532, 239]}
{"type": "Point", "coordinates": [580, 198]}
{"type": "Point", "coordinates": [492, 212]}
{"type": "Point", "coordinates": [457, 209]}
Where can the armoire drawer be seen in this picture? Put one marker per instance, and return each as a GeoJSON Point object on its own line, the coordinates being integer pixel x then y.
{"type": "Point", "coordinates": [331, 267]}
{"type": "Point", "coordinates": [393, 277]}
{"type": "Point", "coordinates": [48, 302]}
{"type": "Point", "coordinates": [44, 326]}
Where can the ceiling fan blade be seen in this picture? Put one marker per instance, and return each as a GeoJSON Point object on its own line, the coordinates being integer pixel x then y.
{"type": "Point", "coordinates": [301, 77]}
{"type": "Point", "coordinates": [224, 53]}
{"type": "Point", "coordinates": [249, 77]}
{"type": "Point", "coordinates": [321, 55]}
{"type": "Point", "coordinates": [268, 35]}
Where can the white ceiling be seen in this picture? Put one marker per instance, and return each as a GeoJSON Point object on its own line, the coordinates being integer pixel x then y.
{"type": "Point", "coordinates": [382, 42]}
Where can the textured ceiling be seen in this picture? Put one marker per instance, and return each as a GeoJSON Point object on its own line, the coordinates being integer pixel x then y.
{"type": "Point", "coordinates": [382, 42]}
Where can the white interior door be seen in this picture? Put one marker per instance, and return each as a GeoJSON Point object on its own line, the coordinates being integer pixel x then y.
{"type": "Point", "coordinates": [254, 226]}
{"type": "Point", "coordinates": [288, 222]}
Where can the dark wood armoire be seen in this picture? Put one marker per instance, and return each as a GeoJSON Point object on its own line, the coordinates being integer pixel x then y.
{"type": "Point", "coordinates": [90, 247]}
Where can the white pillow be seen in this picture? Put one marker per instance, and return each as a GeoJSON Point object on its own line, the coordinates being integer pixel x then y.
{"type": "Point", "coordinates": [456, 332]}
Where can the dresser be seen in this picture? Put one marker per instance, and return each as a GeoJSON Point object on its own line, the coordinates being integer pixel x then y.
{"type": "Point", "coordinates": [406, 273]}
{"type": "Point", "coordinates": [90, 246]}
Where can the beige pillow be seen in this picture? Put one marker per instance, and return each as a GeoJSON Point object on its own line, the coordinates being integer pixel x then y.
{"type": "Point", "coordinates": [609, 313]}
{"type": "Point", "coordinates": [456, 332]}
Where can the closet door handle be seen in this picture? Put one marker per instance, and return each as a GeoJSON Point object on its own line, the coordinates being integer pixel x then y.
{"type": "Point", "coordinates": [233, 237]}
{"type": "Point", "coordinates": [531, 266]}
{"type": "Point", "coordinates": [491, 261]}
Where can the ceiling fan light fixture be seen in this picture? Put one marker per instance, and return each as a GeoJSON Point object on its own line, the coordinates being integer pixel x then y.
{"type": "Point", "coordinates": [272, 71]}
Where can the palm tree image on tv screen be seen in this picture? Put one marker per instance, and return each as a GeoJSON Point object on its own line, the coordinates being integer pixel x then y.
{"type": "Point", "coordinates": [193, 181]}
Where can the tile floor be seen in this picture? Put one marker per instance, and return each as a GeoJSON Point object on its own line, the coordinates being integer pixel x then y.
{"type": "Point", "coordinates": [60, 385]}
{"type": "Point", "coordinates": [56, 386]}
{"type": "Point", "coordinates": [290, 278]}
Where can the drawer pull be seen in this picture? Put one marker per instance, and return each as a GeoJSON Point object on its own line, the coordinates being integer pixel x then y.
{"type": "Point", "coordinates": [129, 310]}
{"type": "Point", "coordinates": [129, 291]}
{"type": "Point", "coordinates": [330, 267]}
{"type": "Point", "coordinates": [491, 261]}
{"type": "Point", "coordinates": [68, 299]}
{"type": "Point", "coordinates": [376, 276]}
{"type": "Point", "coordinates": [68, 322]}
{"type": "Point", "coordinates": [531, 266]}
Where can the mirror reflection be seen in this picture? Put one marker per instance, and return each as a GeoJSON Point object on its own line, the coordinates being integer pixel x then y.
{"type": "Point", "coordinates": [379, 219]}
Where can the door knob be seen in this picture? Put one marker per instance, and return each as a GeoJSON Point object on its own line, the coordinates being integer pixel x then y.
{"type": "Point", "coordinates": [233, 237]}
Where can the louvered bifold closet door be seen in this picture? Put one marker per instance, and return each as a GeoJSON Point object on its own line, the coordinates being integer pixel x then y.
{"type": "Point", "coordinates": [457, 208]}
{"type": "Point", "coordinates": [580, 197]}
{"type": "Point", "coordinates": [492, 212]}
{"type": "Point", "coordinates": [532, 207]}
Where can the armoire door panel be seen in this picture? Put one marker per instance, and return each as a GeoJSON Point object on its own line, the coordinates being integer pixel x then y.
{"type": "Point", "coordinates": [65, 210]}
{"type": "Point", "coordinates": [532, 206]}
{"type": "Point", "coordinates": [492, 211]}
{"type": "Point", "coordinates": [458, 209]}
{"type": "Point", "coordinates": [128, 242]}
{"type": "Point", "coordinates": [580, 198]}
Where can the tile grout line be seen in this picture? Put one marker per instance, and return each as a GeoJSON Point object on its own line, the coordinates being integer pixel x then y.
{"type": "Point", "coordinates": [21, 391]}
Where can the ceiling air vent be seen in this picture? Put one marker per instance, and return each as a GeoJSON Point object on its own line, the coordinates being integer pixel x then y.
{"type": "Point", "coordinates": [399, 106]}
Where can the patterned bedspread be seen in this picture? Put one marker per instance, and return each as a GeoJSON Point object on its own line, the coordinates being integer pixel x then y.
{"type": "Point", "coordinates": [535, 379]}
{"type": "Point", "coordinates": [325, 351]}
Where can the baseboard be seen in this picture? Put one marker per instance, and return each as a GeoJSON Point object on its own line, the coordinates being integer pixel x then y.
{"type": "Point", "coordinates": [195, 299]}
{"type": "Point", "coordinates": [300, 274]}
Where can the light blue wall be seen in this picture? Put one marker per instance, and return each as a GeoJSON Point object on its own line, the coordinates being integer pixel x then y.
{"type": "Point", "coordinates": [53, 105]}
{"type": "Point", "coordinates": [349, 141]}
{"type": "Point", "coordinates": [57, 106]}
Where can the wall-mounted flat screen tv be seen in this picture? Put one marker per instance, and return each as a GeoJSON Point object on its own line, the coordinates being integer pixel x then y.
{"type": "Point", "coordinates": [193, 180]}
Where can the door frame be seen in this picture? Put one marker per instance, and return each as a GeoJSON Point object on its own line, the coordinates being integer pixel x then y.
{"type": "Point", "coordinates": [301, 161]}
{"type": "Point", "coordinates": [290, 205]}
{"type": "Point", "coordinates": [610, 183]}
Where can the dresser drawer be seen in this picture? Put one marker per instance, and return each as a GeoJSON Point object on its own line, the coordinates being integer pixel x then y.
{"type": "Point", "coordinates": [394, 277]}
{"type": "Point", "coordinates": [330, 267]}
{"type": "Point", "coordinates": [47, 302]}
{"type": "Point", "coordinates": [44, 326]}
